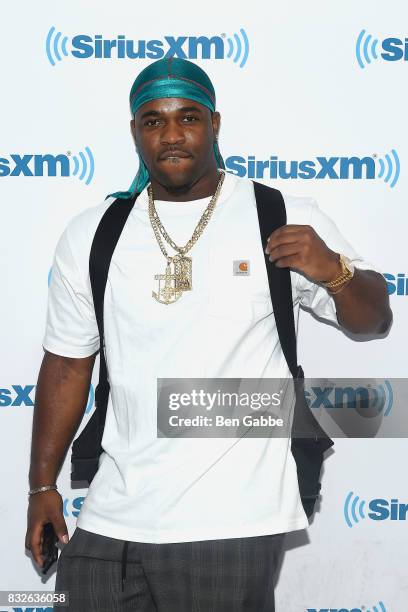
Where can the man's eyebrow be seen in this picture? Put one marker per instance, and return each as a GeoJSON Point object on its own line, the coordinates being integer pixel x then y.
{"type": "Point", "coordinates": [151, 113]}
{"type": "Point", "coordinates": [189, 109]}
{"type": "Point", "coordinates": [183, 109]}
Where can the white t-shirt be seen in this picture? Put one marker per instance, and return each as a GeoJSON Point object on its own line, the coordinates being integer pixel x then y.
{"type": "Point", "coordinates": [157, 490]}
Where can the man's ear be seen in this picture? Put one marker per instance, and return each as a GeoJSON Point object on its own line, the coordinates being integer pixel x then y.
{"type": "Point", "coordinates": [216, 123]}
{"type": "Point", "coordinates": [133, 130]}
{"type": "Point", "coordinates": [132, 126]}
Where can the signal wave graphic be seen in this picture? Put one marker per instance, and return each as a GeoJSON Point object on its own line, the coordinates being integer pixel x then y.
{"type": "Point", "coordinates": [241, 48]}
{"type": "Point", "coordinates": [379, 608]}
{"type": "Point", "coordinates": [54, 46]}
{"type": "Point", "coordinates": [390, 168]}
{"type": "Point", "coordinates": [385, 400]}
{"type": "Point", "coordinates": [366, 49]}
{"type": "Point", "coordinates": [84, 167]}
{"type": "Point", "coordinates": [351, 507]}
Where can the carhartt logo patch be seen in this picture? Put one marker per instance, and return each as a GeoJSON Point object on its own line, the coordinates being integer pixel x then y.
{"type": "Point", "coordinates": [240, 267]}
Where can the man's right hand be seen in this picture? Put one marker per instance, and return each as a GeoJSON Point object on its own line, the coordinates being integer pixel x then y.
{"type": "Point", "coordinates": [60, 401]}
{"type": "Point", "coordinates": [44, 507]}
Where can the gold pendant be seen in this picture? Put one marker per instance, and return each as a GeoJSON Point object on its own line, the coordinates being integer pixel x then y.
{"type": "Point", "coordinates": [183, 272]}
{"type": "Point", "coordinates": [174, 283]}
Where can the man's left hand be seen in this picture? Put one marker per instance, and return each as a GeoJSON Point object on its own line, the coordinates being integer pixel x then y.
{"type": "Point", "coordinates": [300, 247]}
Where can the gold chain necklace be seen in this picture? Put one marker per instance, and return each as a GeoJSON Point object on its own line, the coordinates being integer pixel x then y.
{"type": "Point", "coordinates": [180, 279]}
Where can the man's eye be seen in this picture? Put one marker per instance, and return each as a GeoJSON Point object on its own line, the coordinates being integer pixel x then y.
{"type": "Point", "coordinates": [150, 122]}
{"type": "Point", "coordinates": [190, 117]}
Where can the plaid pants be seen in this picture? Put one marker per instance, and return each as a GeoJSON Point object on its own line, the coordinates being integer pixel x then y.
{"type": "Point", "coordinates": [230, 575]}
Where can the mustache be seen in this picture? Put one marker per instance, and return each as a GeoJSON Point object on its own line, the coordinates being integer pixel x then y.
{"type": "Point", "coordinates": [174, 152]}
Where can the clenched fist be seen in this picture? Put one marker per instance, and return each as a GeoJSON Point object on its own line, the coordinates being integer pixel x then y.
{"type": "Point", "coordinates": [300, 247]}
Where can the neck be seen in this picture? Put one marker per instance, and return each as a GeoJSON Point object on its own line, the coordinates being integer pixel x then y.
{"type": "Point", "coordinates": [200, 188]}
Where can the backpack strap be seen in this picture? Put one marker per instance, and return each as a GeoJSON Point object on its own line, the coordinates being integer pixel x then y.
{"type": "Point", "coordinates": [86, 448]}
{"type": "Point", "coordinates": [308, 440]}
{"type": "Point", "coordinates": [104, 243]}
{"type": "Point", "coordinates": [271, 215]}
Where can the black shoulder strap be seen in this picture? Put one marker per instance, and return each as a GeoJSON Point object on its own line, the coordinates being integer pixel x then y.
{"type": "Point", "coordinates": [104, 243]}
{"type": "Point", "coordinates": [86, 448]}
{"type": "Point", "coordinates": [271, 215]}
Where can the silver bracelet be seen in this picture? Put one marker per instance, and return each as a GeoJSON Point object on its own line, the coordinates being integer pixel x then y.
{"type": "Point", "coordinates": [43, 488]}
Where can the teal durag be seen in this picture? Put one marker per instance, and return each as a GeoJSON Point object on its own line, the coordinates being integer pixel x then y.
{"type": "Point", "coordinates": [170, 77]}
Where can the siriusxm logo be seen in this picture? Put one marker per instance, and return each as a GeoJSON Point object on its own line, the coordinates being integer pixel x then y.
{"type": "Point", "coordinates": [85, 46]}
{"type": "Point", "coordinates": [72, 507]}
{"type": "Point", "coordinates": [80, 166]}
{"type": "Point", "coordinates": [386, 168]}
{"type": "Point", "coordinates": [379, 510]}
{"type": "Point", "coordinates": [332, 397]}
{"type": "Point", "coordinates": [17, 395]}
{"type": "Point", "coordinates": [379, 608]}
{"type": "Point", "coordinates": [396, 284]}
{"type": "Point", "coordinates": [392, 49]}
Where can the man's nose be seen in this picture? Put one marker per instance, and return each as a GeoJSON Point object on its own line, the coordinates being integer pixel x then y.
{"type": "Point", "coordinates": [172, 133]}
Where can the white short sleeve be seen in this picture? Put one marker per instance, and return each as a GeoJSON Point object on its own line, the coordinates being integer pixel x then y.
{"type": "Point", "coordinates": [71, 329]}
{"type": "Point", "coordinates": [312, 295]}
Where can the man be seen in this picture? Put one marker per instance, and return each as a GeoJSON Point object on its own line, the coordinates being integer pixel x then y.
{"type": "Point", "coordinates": [181, 524]}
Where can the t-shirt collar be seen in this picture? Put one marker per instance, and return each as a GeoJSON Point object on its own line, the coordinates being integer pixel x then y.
{"type": "Point", "coordinates": [227, 188]}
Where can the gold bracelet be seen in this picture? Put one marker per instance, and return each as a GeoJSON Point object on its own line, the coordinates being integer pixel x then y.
{"type": "Point", "coordinates": [345, 274]}
{"type": "Point", "coordinates": [342, 287]}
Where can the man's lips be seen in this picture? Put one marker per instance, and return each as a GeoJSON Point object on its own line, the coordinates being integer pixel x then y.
{"type": "Point", "coordinates": [174, 154]}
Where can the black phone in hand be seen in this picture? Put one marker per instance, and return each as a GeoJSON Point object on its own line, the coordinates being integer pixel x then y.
{"type": "Point", "coordinates": [49, 547]}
